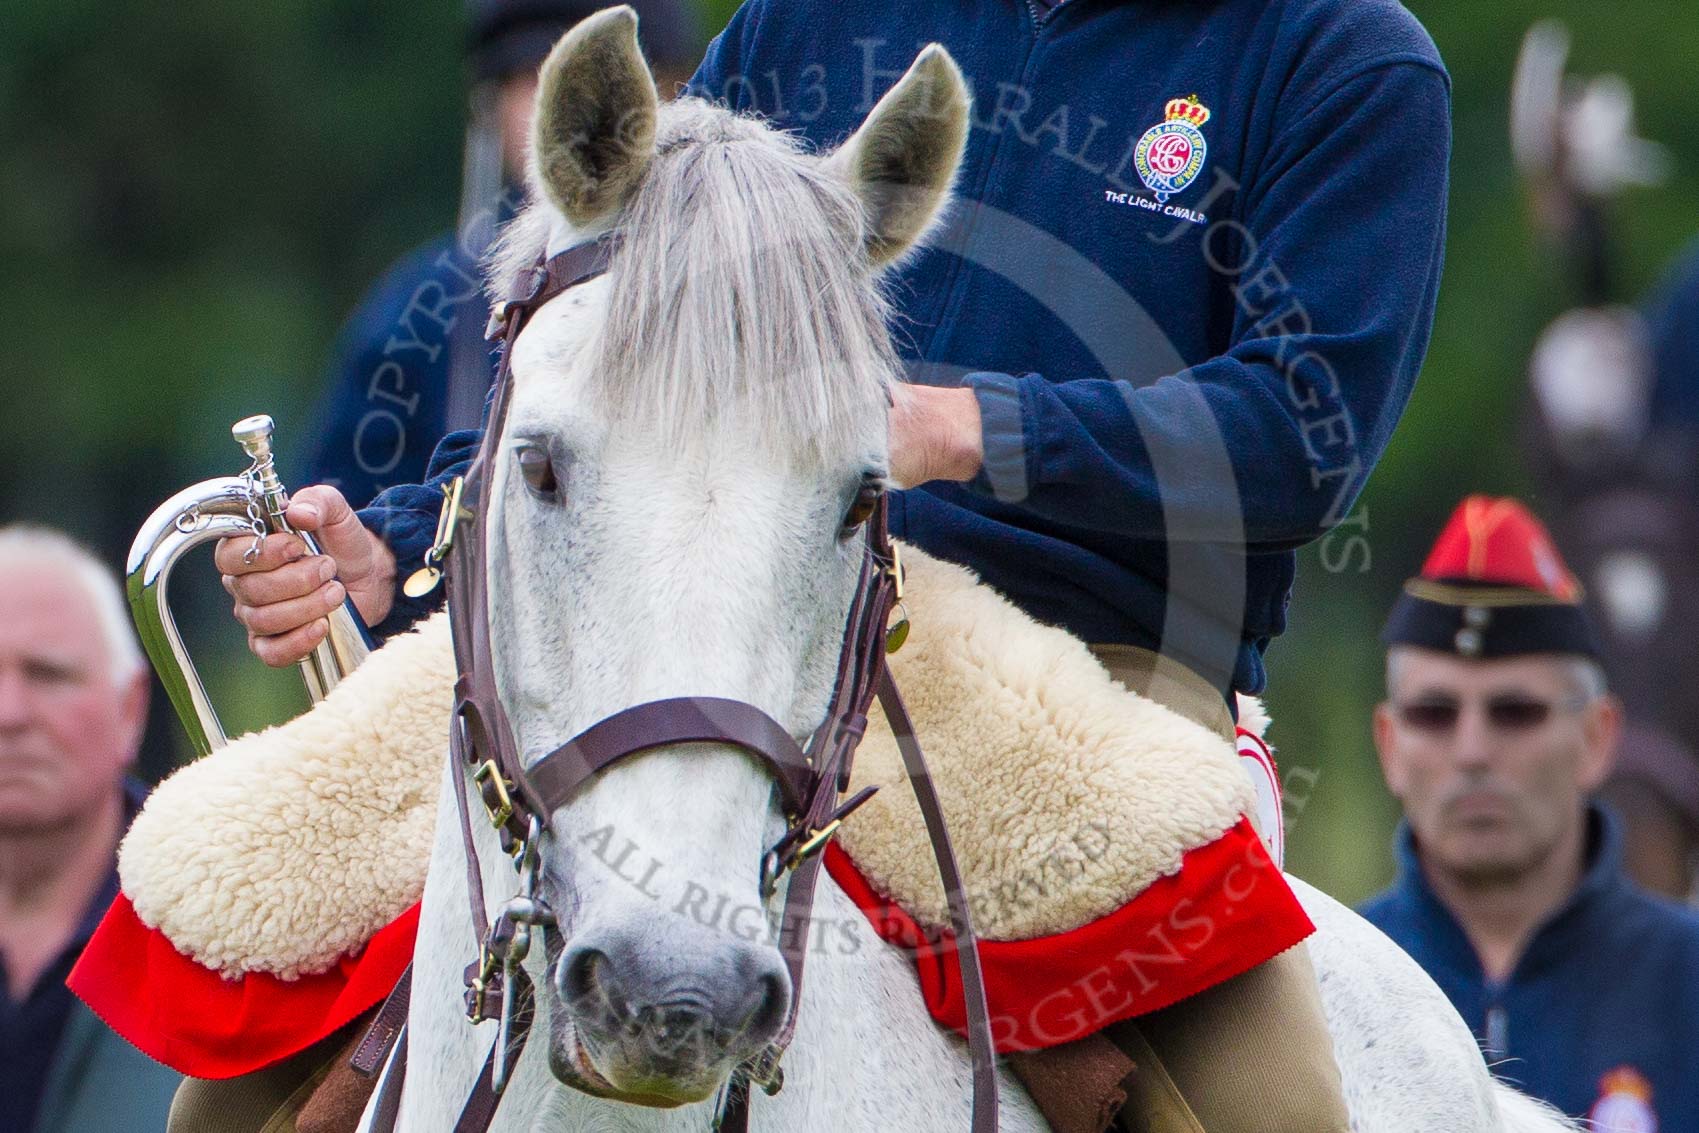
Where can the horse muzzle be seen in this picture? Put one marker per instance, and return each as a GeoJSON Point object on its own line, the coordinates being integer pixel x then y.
{"type": "Point", "coordinates": [662, 1026]}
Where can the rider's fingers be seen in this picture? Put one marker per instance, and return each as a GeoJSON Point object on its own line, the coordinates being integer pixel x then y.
{"type": "Point", "coordinates": [284, 617]}
{"type": "Point", "coordinates": [323, 510]}
{"type": "Point", "coordinates": [231, 555]}
{"type": "Point", "coordinates": [287, 648]}
{"type": "Point", "coordinates": [318, 506]}
{"type": "Point", "coordinates": [292, 580]}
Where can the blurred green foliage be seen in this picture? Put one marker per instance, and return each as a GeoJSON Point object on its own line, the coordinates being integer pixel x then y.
{"type": "Point", "coordinates": [195, 194]}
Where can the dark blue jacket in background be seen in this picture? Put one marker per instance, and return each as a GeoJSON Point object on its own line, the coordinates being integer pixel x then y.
{"type": "Point", "coordinates": [62, 1070]}
{"type": "Point", "coordinates": [1254, 337]}
{"type": "Point", "coordinates": [1610, 982]}
{"type": "Point", "coordinates": [386, 400]}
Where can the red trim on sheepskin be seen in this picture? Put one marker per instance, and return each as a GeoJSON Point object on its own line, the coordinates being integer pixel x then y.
{"type": "Point", "coordinates": [198, 1023]}
{"type": "Point", "coordinates": [1227, 910]}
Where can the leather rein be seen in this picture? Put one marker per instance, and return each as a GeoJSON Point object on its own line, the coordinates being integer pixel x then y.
{"type": "Point", "coordinates": [519, 800]}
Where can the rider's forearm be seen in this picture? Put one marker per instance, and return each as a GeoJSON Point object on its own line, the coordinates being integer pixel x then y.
{"type": "Point", "coordinates": [934, 435]}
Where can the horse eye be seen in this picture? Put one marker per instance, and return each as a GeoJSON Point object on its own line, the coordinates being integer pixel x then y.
{"type": "Point", "coordinates": [538, 469]}
{"type": "Point", "coordinates": [866, 499]}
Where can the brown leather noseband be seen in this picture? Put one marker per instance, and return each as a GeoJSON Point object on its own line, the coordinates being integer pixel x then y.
{"type": "Point", "coordinates": [520, 799]}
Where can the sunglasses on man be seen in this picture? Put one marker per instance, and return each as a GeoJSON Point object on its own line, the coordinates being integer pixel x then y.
{"type": "Point", "coordinates": [1506, 712]}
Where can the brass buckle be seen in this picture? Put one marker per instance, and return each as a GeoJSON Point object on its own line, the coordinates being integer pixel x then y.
{"type": "Point", "coordinates": [815, 842]}
{"type": "Point", "coordinates": [424, 580]}
{"type": "Point", "coordinates": [448, 519]}
{"type": "Point", "coordinates": [488, 777]}
{"type": "Point", "coordinates": [895, 570]}
{"type": "Point", "coordinates": [774, 867]}
{"type": "Point", "coordinates": [477, 992]}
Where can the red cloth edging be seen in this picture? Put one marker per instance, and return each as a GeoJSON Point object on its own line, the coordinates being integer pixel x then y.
{"type": "Point", "coordinates": [1227, 910]}
{"type": "Point", "coordinates": [195, 1021]}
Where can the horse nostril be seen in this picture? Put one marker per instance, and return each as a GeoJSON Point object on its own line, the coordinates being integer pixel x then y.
{"type": "Point", "coordinates": [579, 973]}
{"type": "Point", "coordinates": [772, 1008]}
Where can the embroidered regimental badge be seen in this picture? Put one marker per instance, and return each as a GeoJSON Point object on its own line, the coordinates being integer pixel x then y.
{"type": "Point", "coordinates": [1170, 155]}
{"type": "Point", "coordinates": [1624, 1105]}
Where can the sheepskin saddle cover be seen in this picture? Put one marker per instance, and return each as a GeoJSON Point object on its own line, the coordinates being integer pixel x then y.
{"type": "Point", "coordinates": [1066, 794]}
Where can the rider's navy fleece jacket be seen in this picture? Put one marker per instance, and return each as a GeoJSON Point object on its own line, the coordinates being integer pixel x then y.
{"type": "Point", "coordinates": [1603, 1003]}
{"type": "Point", "coordinates": [1175, 393]}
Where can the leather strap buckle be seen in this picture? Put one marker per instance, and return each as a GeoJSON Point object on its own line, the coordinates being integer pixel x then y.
{"type": "Point", "coordinates": [493, 791]}
{"type": "Point", "coordinates": [481, 984]}
{"type": "Point", "coordinates": [815, 841]}
{"type": "Point", "coordinates": [424, 580]}
{"type": "Point", "coordinates": [784, 856]}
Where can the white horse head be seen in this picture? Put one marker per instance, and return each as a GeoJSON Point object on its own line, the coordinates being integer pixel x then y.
{"type": "Point", "coordinates": [692, 443]}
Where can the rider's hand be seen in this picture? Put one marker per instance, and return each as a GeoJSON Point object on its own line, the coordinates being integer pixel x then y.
{"type": "Point", "coordinates": [282, 597]}
{"type": "Point", "coordinates": [934, 434]}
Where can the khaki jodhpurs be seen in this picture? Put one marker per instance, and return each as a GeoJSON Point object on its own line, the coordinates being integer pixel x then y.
{"type": "Point", "coordinates": [266, 1101]}
{"type": "Point", "coordinates": [1253, 1054]}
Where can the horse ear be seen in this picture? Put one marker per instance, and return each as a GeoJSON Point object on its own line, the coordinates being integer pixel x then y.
{"type": "Point", "coordinates": [903, 159]}
{"type": "Point", "coordinates": [594, 130]}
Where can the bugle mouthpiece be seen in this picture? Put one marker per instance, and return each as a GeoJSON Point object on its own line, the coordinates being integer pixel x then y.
{"type": "Point", "coordinates": [254, 435]}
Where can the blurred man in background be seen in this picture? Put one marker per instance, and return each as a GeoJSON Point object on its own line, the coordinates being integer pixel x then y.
{"type": "Point", "coordinates": [1613, 440]}
{"type": "Point", "coordinates": [73, 701]}
{"type": "Point", "coordinates": [412, 363]}
{"type": "Point", "coordinates": [1496, 730]}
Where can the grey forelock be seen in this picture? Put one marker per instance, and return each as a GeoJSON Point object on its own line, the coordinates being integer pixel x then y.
{"type": "Point", "coordinates": [741, 287]}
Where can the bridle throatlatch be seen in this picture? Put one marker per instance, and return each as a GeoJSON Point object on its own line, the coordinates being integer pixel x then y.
{"type": "Point", "coordinates": [518, 800]}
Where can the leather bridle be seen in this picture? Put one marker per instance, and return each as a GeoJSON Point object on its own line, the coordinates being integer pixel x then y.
{"type": "Point", "coordinates": [518, 800]}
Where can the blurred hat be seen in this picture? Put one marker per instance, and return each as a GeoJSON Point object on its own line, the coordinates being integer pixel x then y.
{"type": "Point", "coordinates": [505, 37]}
{"type": "Point", "coordinates": [1493, 586]}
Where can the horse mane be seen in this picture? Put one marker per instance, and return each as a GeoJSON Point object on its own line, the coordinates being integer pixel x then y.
{"type": "Point", "coordinates": [741, 287]}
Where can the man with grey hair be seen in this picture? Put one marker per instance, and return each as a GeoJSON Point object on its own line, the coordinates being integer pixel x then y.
{"type": "Point", "coordinates": [73, 702]}
{"type": "Point", "coordinates": [1496, 731]}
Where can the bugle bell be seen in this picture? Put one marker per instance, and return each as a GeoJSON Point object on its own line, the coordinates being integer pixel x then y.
{"type": "Point", "coordinates": [250, 505]}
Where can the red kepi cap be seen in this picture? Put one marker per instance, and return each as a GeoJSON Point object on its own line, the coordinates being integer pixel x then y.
{"type": "Point", "coordinates": [1493, 586]}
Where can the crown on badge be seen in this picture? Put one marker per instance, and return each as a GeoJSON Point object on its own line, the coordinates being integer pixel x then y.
{"type": "Point", "coordinates": [1187, 109]}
